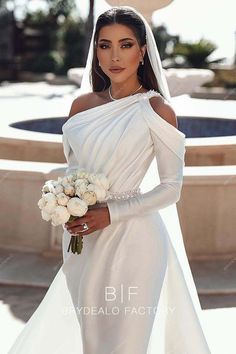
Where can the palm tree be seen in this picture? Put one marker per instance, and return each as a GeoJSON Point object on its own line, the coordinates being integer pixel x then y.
{"type": "Point", "coordinates": [196, 53]}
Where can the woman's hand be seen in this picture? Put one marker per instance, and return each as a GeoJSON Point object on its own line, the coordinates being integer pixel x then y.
{"type": "Point", "coordinates": [97, 217]}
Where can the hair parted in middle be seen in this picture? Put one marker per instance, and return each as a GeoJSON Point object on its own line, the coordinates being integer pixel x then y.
{"type": "Point", "coordinates": [124, 16]}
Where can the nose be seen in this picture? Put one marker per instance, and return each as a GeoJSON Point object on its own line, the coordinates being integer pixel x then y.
{"type": "Point", "coordinates": [115, 59]}
{"type": "Point", "coordinates": [115, 55]}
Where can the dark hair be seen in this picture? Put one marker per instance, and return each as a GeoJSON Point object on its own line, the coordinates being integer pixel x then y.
{"type": "Point", "coordinates": [99, 80]}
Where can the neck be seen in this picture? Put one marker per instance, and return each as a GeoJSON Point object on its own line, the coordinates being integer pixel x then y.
{"type": "Point", "coordinates": [120, 90]}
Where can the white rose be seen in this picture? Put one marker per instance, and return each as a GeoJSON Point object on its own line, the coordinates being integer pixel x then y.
{"type": "Point", "coordinates": [64, 181]}
{"type": "Point", "coordinates": [81, 181]}
{"type": "Point", "coordinates": [82, 173]}
{"type": "Point", "coordinates": [45, 216]}
{"type": "Point", "coordinates": [58, 188]}
{"type": "Point", "coordinates": [81, 189]}
{"type": "Point", "coordinates": [69, 190]}
{"type": "Point", "coordinates": [89, 197]}
{"type": "Point", "coordinates": [45, 189]}
{"type": "Point", "coordinates": [99, 191]}
{"type": "Point", "coordinates": [100, 180]}
{"type": "Point", "coordinates": [74, 177]}
{"type": "Point", "coordinates": [49, 186]}
{"type": "Point", "coordinates": [41, 203]}
{"type": "Point", "coordinates": [77, 206]}
{"type": "Point", "coordinates": [62, 199]}
{"type": "Point", "coordinates": [60, 215]}
{"type": "Point", "coordinates": [50, 202]}
{"type": "Point", "coordinates": [67, 179]}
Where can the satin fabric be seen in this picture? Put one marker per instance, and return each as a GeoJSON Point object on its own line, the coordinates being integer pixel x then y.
{"type": "Point", "coordinates": [131, 290]}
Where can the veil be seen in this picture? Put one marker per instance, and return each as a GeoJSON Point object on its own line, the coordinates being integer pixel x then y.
{"type": "Point", "coordinates": [168, 214]}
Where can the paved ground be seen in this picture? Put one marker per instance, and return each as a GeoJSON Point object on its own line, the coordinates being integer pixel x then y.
{"type": "Point", "coordinates": [25, 277]}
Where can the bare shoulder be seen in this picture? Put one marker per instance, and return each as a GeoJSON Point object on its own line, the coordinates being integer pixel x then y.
{"type": "Point", "coordinates": [164, 109]}
{"type": "Point", "coordinates": [82, 103]}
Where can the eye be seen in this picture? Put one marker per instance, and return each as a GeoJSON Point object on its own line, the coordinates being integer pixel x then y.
{"type": "Point", "coordinates": [127, 45]}
{"type": "Point", "coordinates": [103, 46]}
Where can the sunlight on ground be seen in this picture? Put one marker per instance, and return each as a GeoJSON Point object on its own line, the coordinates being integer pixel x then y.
{"type": "Point", "coordinates": [10, 326]}
{"type": "Point", "coordinates": [220, 329]}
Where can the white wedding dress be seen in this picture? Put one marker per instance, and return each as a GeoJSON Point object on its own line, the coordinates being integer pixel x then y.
{"type": "Point", "coordinates": [127, 292]}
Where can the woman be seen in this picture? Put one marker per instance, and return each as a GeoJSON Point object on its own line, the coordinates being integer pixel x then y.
{"type": "Point", "coordinates": [130, 291]}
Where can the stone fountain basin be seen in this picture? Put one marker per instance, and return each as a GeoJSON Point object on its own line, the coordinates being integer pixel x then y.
{"type": "Point", "coordinates": [193, 127]}
{"type": "Point", "coordinates": [209, 141]}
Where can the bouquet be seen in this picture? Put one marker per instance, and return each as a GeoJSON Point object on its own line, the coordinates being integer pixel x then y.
{"type": "Point", "coordinates": [67, 198]}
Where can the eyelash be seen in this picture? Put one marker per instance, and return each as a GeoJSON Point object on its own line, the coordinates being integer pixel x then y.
{"type": "Point", "coordinates": [126, 44]}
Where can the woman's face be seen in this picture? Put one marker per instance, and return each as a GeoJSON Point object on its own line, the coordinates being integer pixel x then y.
{"type": "Point", "coordinates": [118, 47]}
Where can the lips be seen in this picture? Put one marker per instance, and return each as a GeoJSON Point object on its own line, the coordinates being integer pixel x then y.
{"type": "Point", "coordinates": [116, 70]}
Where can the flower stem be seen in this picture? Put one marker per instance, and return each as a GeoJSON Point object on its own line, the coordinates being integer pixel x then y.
{"type": "Point", "coordinates": [76, 244]}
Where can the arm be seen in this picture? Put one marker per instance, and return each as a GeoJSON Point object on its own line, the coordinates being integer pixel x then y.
{"type": "Point", "coordinates": [79, 104]}
{"type": "Point", "coordinates": [169, 148]}
{"type": "Point", "coordinates": [68, 152]}
{"type": "Point", "coordinates": [72, 163]}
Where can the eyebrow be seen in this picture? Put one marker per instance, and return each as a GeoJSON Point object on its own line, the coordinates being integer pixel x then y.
{"type": "Point", "coordinates": [121, 40]}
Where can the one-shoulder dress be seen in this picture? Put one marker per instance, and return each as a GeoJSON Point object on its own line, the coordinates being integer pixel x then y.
{"type": "Point", "coordinates": [131, 290]}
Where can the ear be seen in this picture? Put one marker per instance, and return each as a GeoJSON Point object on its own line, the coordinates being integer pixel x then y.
{"type": "Point", "coordinates": [143, 49]}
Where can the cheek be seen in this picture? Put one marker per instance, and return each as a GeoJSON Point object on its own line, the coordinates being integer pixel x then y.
{"type": "Point", "coordinates": [132, 57]}
{"type": "Point", "coordinates": [102, 55]}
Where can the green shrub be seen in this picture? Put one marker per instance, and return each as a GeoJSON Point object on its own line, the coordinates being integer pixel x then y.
{"type": "Point", "coordinates": [45, 62]}
{"type": "Point", "coordinates": [195, 53]}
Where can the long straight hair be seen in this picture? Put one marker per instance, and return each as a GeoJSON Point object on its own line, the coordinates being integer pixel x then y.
{"type": "Point", "coordinates": [100, 81]}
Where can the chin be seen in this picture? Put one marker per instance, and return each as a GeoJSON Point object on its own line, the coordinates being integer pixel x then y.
{"type": "Point", "coordinates": [117, 81]}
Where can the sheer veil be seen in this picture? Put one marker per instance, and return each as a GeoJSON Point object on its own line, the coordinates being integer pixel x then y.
{"type": "Point", "coordinates": [168, 214]}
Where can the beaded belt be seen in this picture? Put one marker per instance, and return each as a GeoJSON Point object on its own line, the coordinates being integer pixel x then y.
{"type": "Point", "coordinates": [123, 195]}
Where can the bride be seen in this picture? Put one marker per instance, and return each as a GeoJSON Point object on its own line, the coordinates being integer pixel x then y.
{"type": "Point", "coordinates": [131, 290]}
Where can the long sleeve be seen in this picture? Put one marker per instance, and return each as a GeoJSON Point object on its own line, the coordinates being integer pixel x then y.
{"type": "Point", "coordinates": [70, 156]}
{"type": "Point", "coordinates": [169, 148]}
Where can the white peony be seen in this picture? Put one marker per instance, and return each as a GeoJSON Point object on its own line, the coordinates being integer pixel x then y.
{"type": "Point", "coordinates": [82, 173]}
{"type": "Point", "coordinates": [81, 181]}
{"type": "Point", "coordinates": [74, 177]}
{"type": "Point", "coordinates": [77, 206]}
{"type": "Point", "coordinates": [50, 186]}
{"type": "Point", "coordinates": [41, 203]}
{"type": "Point", "coordinates": [69, 190]}
{"type": "Point", "coordinates": [45, 189]}
{"type": "Point", "coordinates": [62, 199]}
{"type": "Point", "coordinates": [89, 197]}
{"type": "Point", "coordinates": [81, 188]}
{"type": "Point", "coordinates": [59, 188]}
{"type": "Point", "coordinates": [99, 179]}
{"type": "Point", "coordinates": [71, 178]}
{"type": "Point", "coordinates": [64, 181]}
{"type": "Point", "coordinates": [50, 202]}
{"type": "Point", "coordinates": [99, 191]}
{"type": "Point", "coordinates": [45, 216]}
{"type": "Point", "coordinates": [60, 215]}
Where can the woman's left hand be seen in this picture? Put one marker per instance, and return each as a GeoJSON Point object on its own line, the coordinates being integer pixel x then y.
{"type": "Point", "coordinates": [97, 217]}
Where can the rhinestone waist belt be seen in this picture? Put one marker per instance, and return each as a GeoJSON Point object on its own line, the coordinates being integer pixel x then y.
{"type": "Point", "coordinates": [123, 195]}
